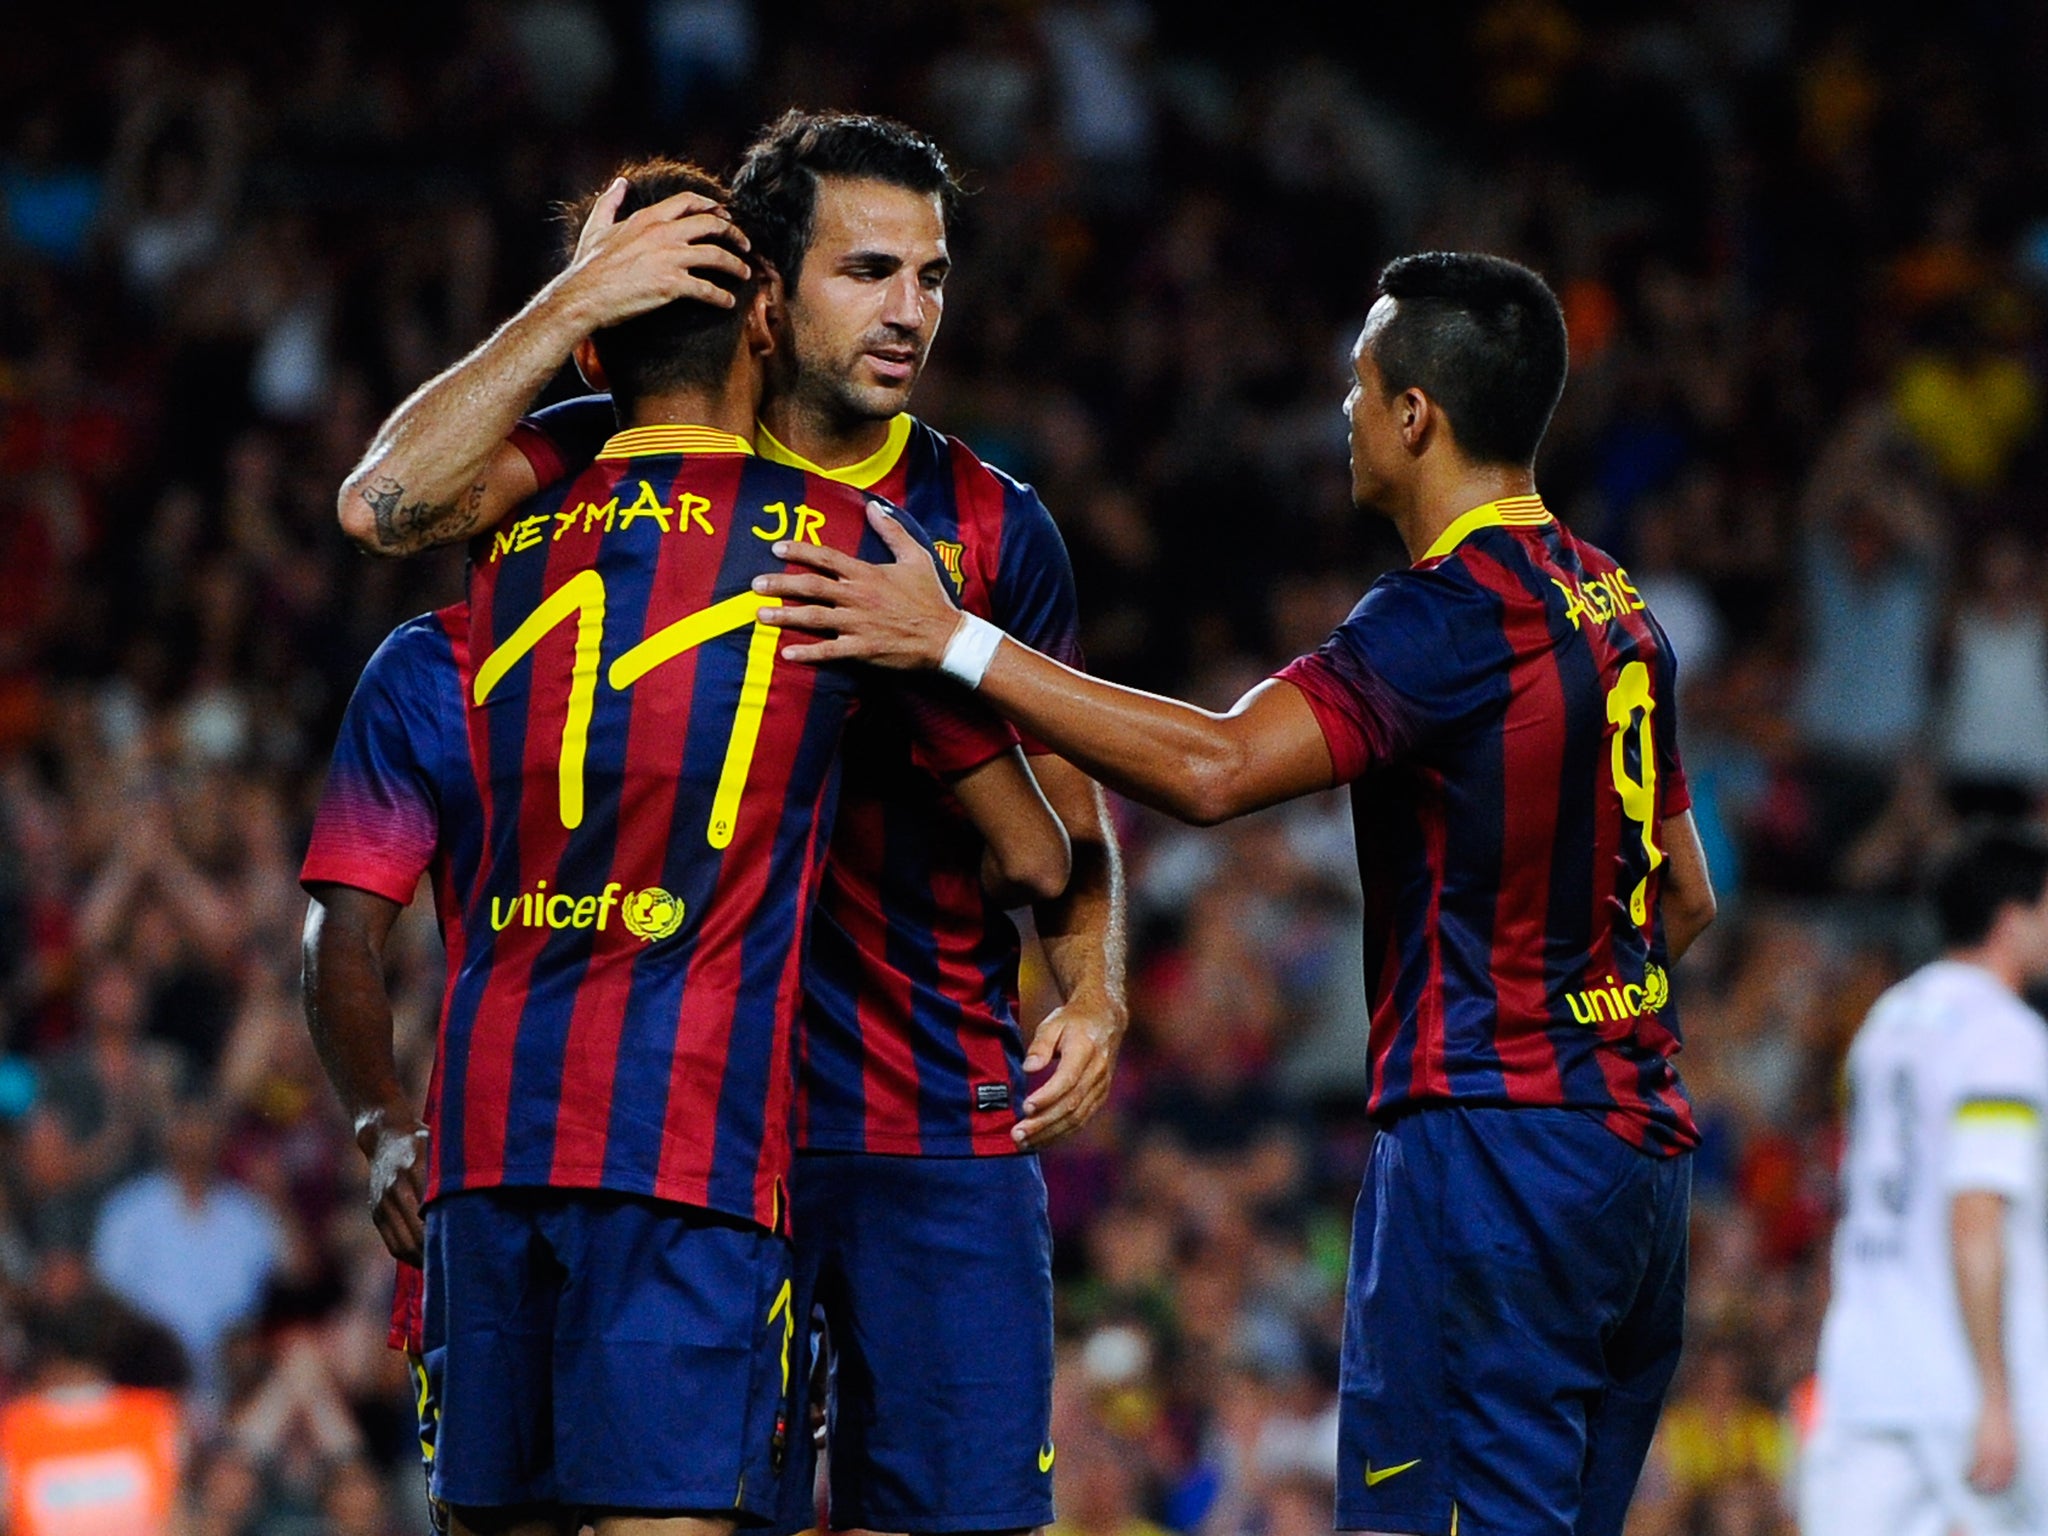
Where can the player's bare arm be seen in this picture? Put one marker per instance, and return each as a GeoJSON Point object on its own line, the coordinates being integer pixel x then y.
{"type": "Point", "coordinates": [1194, 764]}
{"type": "Point", "coordinates": [440, 469]}
{"type": "Point", "coordinates": [1687, 897]}
{"type": "Point", "coordinates": [1082, 932]}
{"type": "Point", "coordinates": [1977, 1238]}
{"type": "Point", "coordinates": [1027, 855]}
{"type": "Point", "coordinates": [349, 1014]}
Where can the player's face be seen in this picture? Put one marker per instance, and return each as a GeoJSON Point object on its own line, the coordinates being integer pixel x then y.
{"type": "Point", "coordinates": [1378, 454]}
{"type": "Point", "coordinates": [868, 299]}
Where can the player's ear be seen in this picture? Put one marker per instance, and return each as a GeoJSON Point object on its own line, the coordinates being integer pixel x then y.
{"type": "Point", "coordinates": [760, 323]}
{"type": "Point", "coordinates": [588, 365]}
{"type": "Point", "coordinates": [774, 296]}
{"type": "Point", "coordinates": [1418, 416]}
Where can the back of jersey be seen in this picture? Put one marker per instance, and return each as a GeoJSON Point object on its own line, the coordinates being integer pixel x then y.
{"type": "Point", "coordinates": [1946, 1079]}
{"type": "Point", "coordinates": [653, 797]}
{"type": "Point", "coordinates": [1505, 709]}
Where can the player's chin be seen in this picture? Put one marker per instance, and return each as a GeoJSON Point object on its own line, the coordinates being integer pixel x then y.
{"type": "Point", "coordinates": [881, 395]}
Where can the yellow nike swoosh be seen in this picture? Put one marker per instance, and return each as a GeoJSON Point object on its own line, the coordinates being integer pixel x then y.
{"type": "Point", "coordinates": [1046, 1453]}
{"type": "Point", "coordinates": [1374, 1479]}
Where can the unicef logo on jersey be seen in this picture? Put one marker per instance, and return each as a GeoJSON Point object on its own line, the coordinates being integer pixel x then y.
{"type": "Point", "coordinates": [1616, 1003]}
{"type": "Point", "coordinates": [649, 915]}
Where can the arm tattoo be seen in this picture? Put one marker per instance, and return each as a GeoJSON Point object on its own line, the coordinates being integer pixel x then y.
{"type": "Point", "coordinates": [406, 528]}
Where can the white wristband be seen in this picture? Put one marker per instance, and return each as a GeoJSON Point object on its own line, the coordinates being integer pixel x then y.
{"type": "Point", "coordinates": [971, 649]}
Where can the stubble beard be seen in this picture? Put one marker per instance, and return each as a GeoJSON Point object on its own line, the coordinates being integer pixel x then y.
{"type": "Point", "coordinates": [834, 402]}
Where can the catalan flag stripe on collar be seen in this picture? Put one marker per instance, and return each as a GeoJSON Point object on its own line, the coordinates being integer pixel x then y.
{"type": "Point", "coordinates": [1508, 512]}
{"type": "Point", "coordinates": [637, 441]}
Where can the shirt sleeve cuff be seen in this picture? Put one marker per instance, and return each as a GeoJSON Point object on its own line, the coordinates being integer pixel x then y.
{"type": "Point", "coordinates": [1329, 700]}
{"type": "Point", "coordinates": [542, 456]}
{"type": "Point", "coordinates": [1677, 793]}
{"type": "Point", "coordinates": [392, 882]}
{"type": "Point", "coordinates": [956, 736]}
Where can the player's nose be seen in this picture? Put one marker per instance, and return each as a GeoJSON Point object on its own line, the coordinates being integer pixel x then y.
{"type": "Point", "coordinates": [905, 306]}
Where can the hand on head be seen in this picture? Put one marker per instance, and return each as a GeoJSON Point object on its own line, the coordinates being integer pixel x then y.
{"type": "Point", "coordinates": [666, 251]}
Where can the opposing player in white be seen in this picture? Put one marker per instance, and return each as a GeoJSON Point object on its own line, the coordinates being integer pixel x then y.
{"type": "Point", "coordinates": [1934, 1355]}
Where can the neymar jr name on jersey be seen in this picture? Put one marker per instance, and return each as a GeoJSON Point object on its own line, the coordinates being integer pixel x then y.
{"type": "Point", "coordinates": [688, 513]}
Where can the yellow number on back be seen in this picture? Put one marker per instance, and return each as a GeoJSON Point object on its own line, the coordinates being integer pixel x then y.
{"type": "Point", "coordinates": [583, 595]}
{"type": "Point", "coordinates": [1630, 694]}
{"type": "Point", "coordinates": [687, 633]}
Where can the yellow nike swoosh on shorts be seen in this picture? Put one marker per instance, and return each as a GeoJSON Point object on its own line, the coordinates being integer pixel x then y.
{"type": "Point", "coordinates": [1046, 1452]}
{"type": "Point", "coordinates": [1374, 1479]}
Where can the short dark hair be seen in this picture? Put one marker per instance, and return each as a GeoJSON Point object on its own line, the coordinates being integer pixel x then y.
{"type": "Point", "coordinates": [775, 192]}
{"type": "Point", "coordinates": [1484, 338]}
{"type": "Point", "coordinates": [1997, 865]}
{"type": "Point", "coordinates": [685, 342]}
{"type": "Point", "coordinates": [73, 1332]}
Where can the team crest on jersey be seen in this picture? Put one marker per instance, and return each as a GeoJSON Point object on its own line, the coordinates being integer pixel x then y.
{"type": "Point", "coordinates": [950, 551]}
{"type": "Point", "coordinates": [651, 914]}
{"type": "Point", "coordinates": [1656, 988]}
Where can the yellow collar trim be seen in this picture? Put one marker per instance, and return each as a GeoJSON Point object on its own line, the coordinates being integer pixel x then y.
{"type": "Point", "coordinates": [862, 476]}
{"type": "Point", "coordinates": [636, 442]}
{"type": "Point", "coordinates": [1508, 512]}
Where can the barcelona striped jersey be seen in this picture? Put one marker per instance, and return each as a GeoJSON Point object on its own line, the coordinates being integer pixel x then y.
{"type": "Point", "coordinates": [910, 1039]}
{"type": "Point", "coordinates": [624, 799]}
{"type": "Point", "coordinates": [1504, 711]}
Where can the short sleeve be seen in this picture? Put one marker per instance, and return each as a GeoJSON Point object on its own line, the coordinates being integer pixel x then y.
{"type": "Point", "coordinates": [1995, 1130]}
{"type": "Point", "coordinates": [1674, 794]}
{"type": "Point", "coordinates": [1034, 596]}
{"type": "Point", "coordinates": [1419, 655]}
{"type": "Point", "coordinates": [951, 732]}
{"type": "Point", "coordinates": [378, 822]}
{"type": "Point", "coordinates": [562, 438]}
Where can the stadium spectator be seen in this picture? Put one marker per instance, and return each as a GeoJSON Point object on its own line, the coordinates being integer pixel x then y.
{"type": "Point", "coordinates": [185, 1246]}
{"type": "Point", "coordinates": [79, 1453]}
{"type": "Point", "coordinates": [1995, 736]}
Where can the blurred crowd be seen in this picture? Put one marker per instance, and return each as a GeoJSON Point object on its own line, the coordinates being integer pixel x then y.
{"type": "Point", "coordinates": [1803, 250]}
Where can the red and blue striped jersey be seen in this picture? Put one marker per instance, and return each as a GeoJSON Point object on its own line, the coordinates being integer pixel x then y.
{"type": "Point", "coordinates": [1504, 710]}
{"type": "Point", "coordinates": [910, 1040]}
{"type": "Point", "coordinates": [625, 799]}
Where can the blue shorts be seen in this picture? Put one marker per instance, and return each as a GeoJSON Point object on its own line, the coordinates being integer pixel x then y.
{"type": "Point", "coordinates": [1511, 1321]}
{"type": "Point", "coordinates": [933, 1277]}
{"type": "Point", "coordinates": [603, 1351]}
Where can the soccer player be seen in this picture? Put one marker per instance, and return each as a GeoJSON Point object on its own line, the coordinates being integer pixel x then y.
{"type": "Point", "coordinates": [1503, 708]}
{"type": "Point", "coordinates": [914, 1070]}
{"type": "Point", "coordinates": [1934, 1356]}
{"type": "Point", "coordinates": [625, 802]}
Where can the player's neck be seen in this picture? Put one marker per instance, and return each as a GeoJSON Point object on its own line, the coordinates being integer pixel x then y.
{"type": "Point", "coordinates": [1992, 957]}
{"type": "Point", "coordinates": [828, 441]}
{"type": "Point", "coordinates": [728, 409]}
{"type": "Point", "coordinates": [69, 1377]}
{"type": "Point", "coordinates": [1442, 496]}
